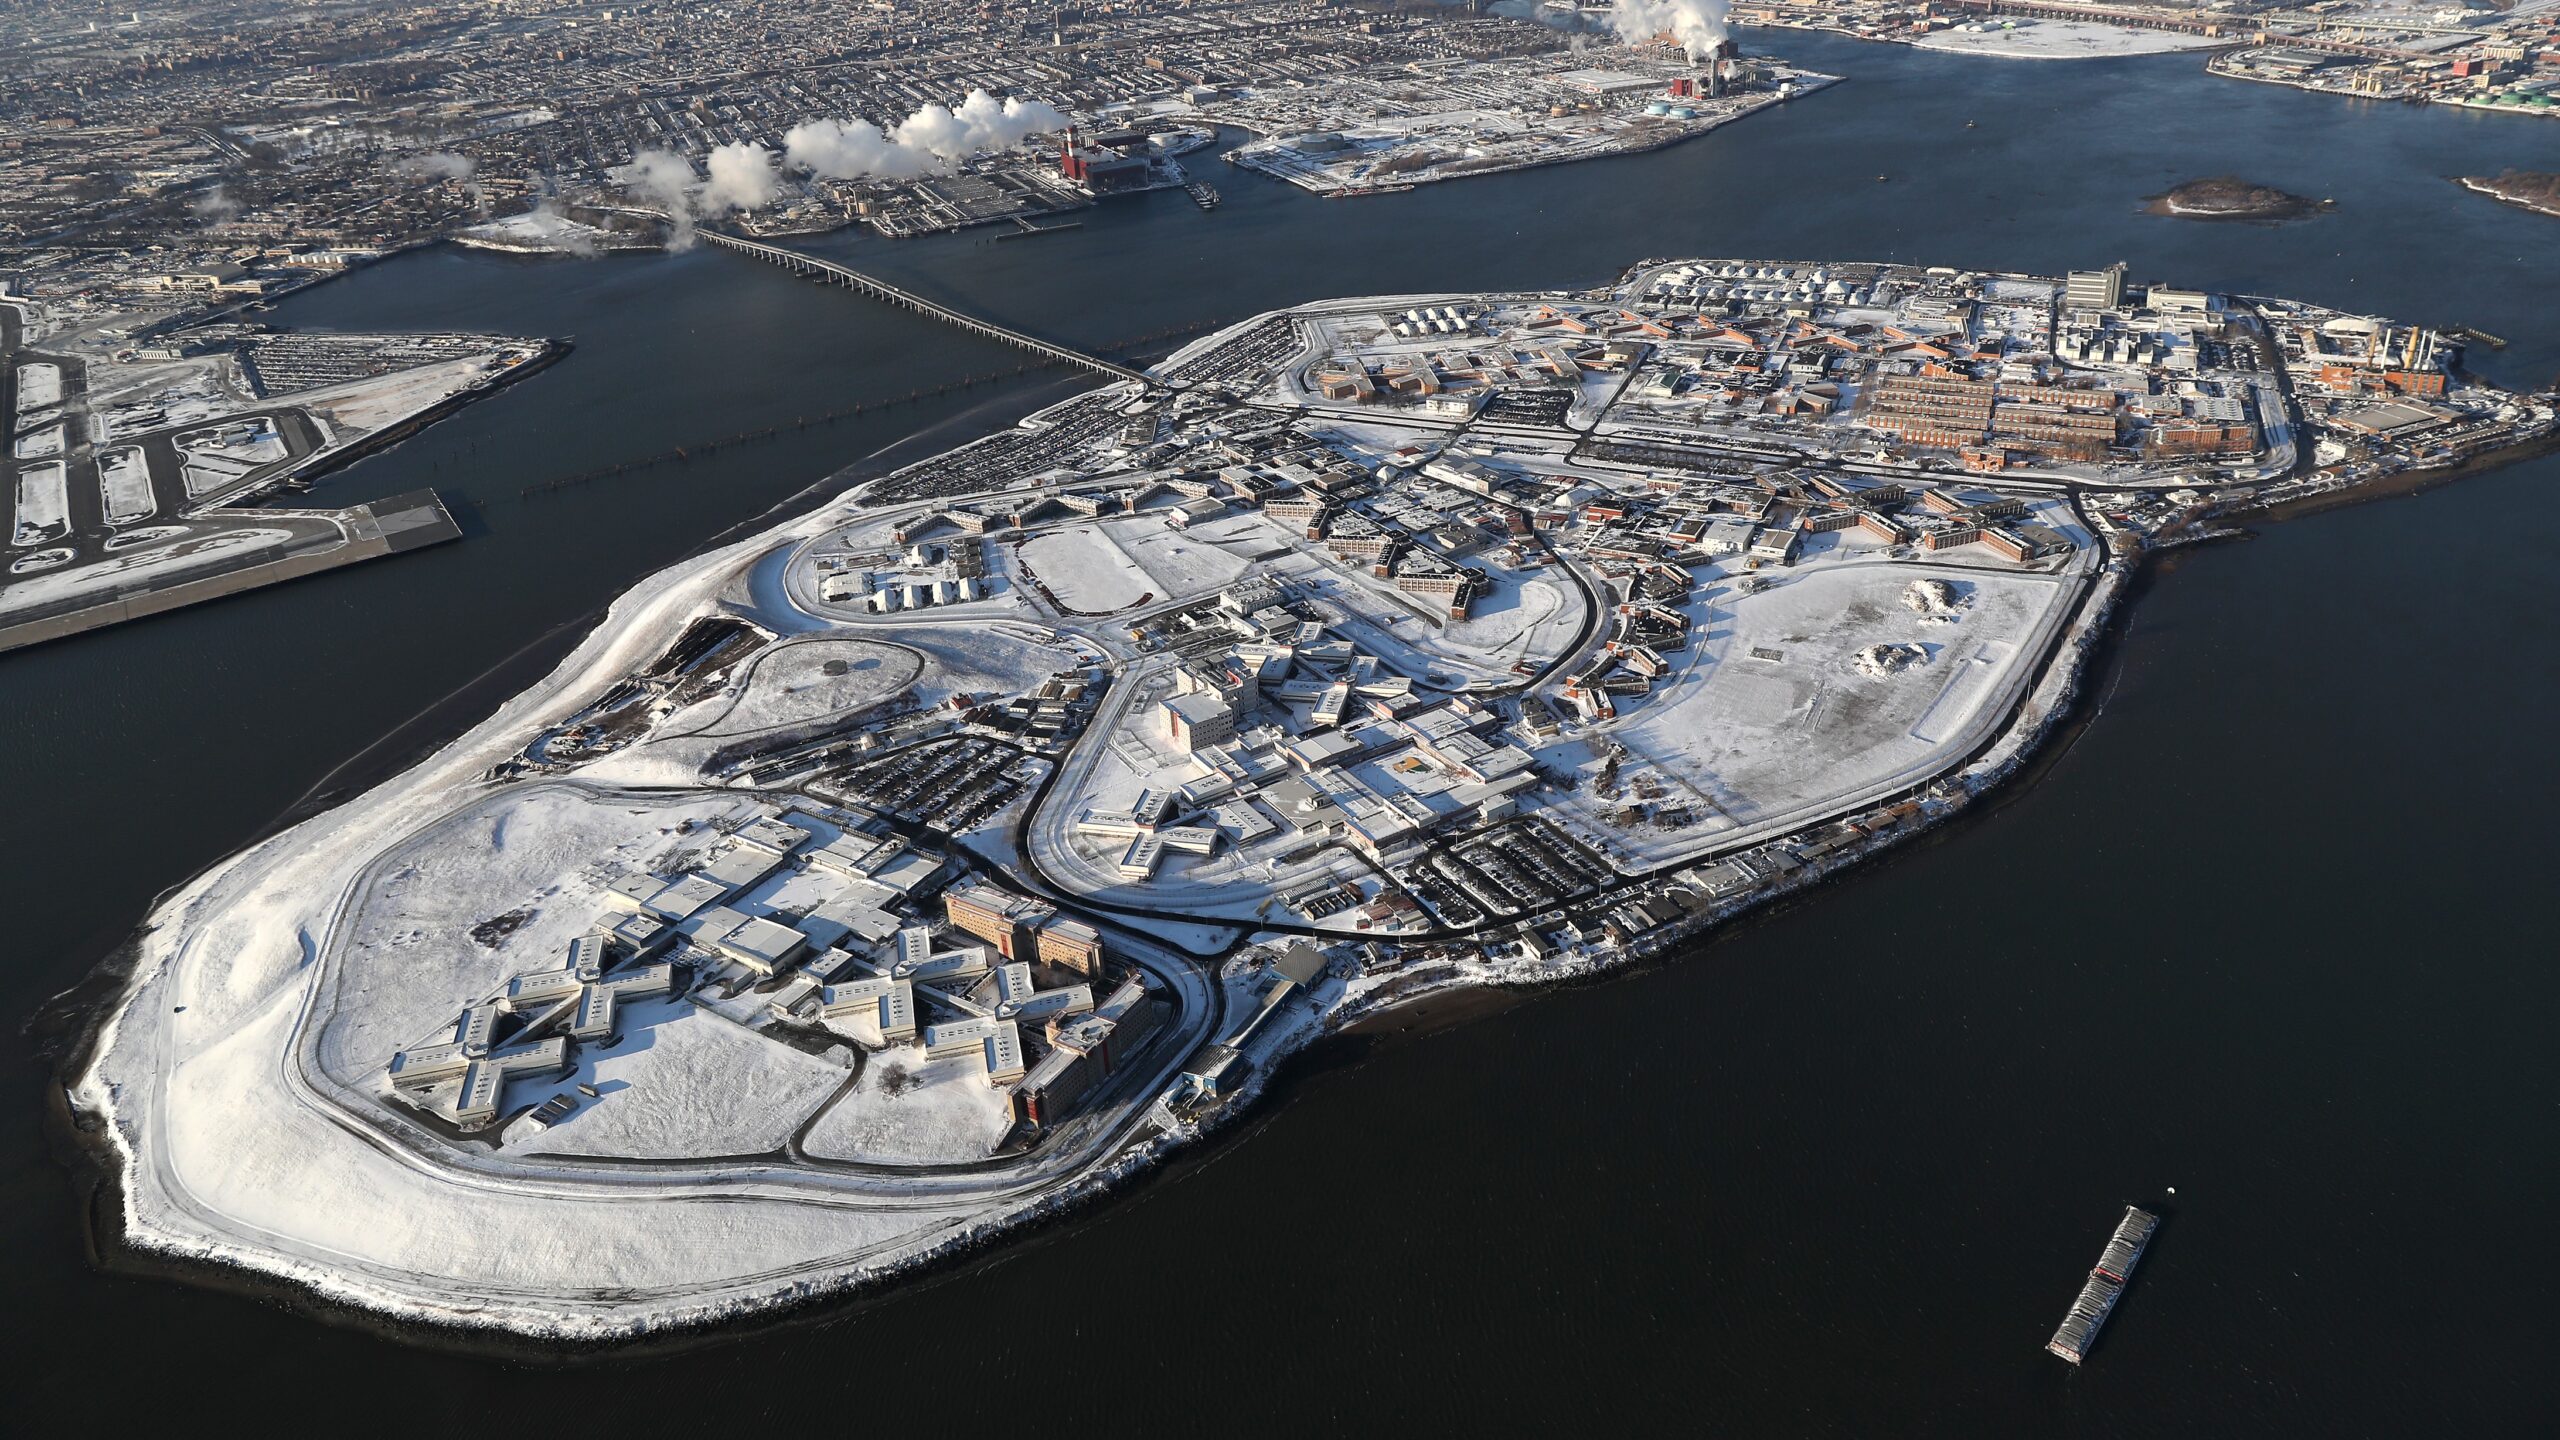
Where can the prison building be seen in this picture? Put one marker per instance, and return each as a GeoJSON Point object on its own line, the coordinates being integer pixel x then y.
{"type": "Point", "coordinates": [1049, 1092]}
{"type": "Point", "coordinates": [763, 946]}
{"type": "Point", "coordinates": [1346, 381]}
{"type": "Point", "coordinates": [1308, 516]}
{"type": "Point", "coordinates": [1112, 1031]}
{"type": "Point", "coordinates": [1018, 998]}
{"type": "Point", "coordinates": [1455, 589]}
{"type": "Point", "coordinates": [1006, 921]}
{"type": "Point", "coordinates": [465, 1040]}
{"type": "Point", "coordinates": [876, 1008]}
{"type": "Point", "coordinates": [484, 1084]}
{"type": "Point", "coordinates": [1951, 537]}
{"type": "Point", "coordinates": [1927, 434]}
{"type": "Point", "coordinates": [996, 1043]}
{"type": "Point", "coordinates": [1138, 861]}
{"type": "Point", "coordinates": [1071, 945]}
{"type": "Point", "coordinates": [584, 998]}
{"type": "Point", "coordinates": [2070, 434]}
{"type": "Point", "coordinates": [640, 935]}
{"type": "Point", "coordinates": [2200, 437]}
{"type": "Point", "coordinates": [2008, 543]}
{"type": "Point", "coordinates": [770, 835]}
{"type": "Point", "coordinates": [2063, 397]}
{"type": "Point", "coordinates": [1882, 527]}
{"type": "Point", "coordinates": [1199, 720]}
{"type": "Point", "coordinates": [1949, 402]}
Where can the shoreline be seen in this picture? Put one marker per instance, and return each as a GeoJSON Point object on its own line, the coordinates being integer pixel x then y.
{"type": "Point", "coordinates": [1807, 83]}
{"type": "Point", "coordinates": [2480, 185]}
{"type": "Point", "coordinates": [2282, 211]}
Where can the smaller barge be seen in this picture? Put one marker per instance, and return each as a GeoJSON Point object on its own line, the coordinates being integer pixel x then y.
{"type": "Point", "coordinates": [2097, 1298]}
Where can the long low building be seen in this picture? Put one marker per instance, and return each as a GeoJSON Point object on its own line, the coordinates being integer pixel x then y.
{"type": "Point", "coordinates": [997, 1043]}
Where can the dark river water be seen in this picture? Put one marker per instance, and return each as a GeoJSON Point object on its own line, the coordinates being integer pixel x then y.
{"type": "Point", "coordinates": [2264, 932]}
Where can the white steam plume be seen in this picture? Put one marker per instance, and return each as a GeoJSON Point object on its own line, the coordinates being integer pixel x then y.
{"type": "Point", "coordinates": [931, 139]}
{"type": "Point", "coordinates": [435, 165]}
{"type": "Point", "coordinates": [665, 181]}
{"type": "Point", "coordinates": [1699, 25]}
{"type": "Point", "coordinates": [849, 150]}
{"type": "Point", "coordinates": [742, 178]}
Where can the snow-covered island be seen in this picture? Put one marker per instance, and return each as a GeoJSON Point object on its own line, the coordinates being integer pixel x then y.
{"type": "Point", "coordinates": [863, 888]}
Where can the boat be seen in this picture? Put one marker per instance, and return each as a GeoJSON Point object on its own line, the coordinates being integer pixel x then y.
{"type": "Point", "coordinates": [2097, 1298]}
{"type": "Point", "coordinates": [1203, 194]}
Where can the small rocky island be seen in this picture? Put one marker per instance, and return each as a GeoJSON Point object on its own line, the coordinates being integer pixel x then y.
{"type": "Point", "coordinates": [2532, 189]}
{"type": "Point", "coordinates": [2228, 197]}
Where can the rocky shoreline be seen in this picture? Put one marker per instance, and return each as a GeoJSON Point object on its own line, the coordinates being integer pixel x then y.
{"type": "Point", "coordinates": [2228, 197]}
{"type": "Point", "coordinates": [2525, 189]}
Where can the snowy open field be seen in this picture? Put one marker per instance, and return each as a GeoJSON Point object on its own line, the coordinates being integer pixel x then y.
{"type": "Point", "coordinates": [371, 404]}
{"type": "Point", "coordinates": [807, 679]}
{"type": "Point", "coordinates": [984, 659]}
{"type": "Point", "coordinates": [545, 852]}
{"type": "Point", "coordinates": [1769, 721]}
{"type": "Point", "coordinates": [454, 1245]}
{"type": "Point", "coordinates": [1085, 571]}
{"type": "Point", "coordinates": [233, 1148]}
{"type": "Point", "coordinates": [912, 1111]}
{"type": "Point", "coordinates": [682, 1083]}
{"type": "Point", "coordinates": [1182, 564]}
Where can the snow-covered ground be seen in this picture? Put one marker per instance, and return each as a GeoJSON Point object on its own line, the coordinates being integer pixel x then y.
{"type": "Point", "coordinates": [1770, 721]}
{"type": "Point", "coordinates": [2062, 40]}
{"type": "Point", "coordinates": [808, 679]}
{"type": "Point", "coordinates": [543, 853]}
{"type": "Point", "coordinates": [368, 405]}
{"type": "Point", "coordinates": [683, 1083]}
{"type": "Point", "coordinates": [909, 1110]}
{"type": "Point", "coordinates": [42, 443]}
{"type": "Point", "coordinates": [39, 386]}
{"type": "Point", "coordinates": [197, 551]}
{"type": "Point", "coordinates": [43, 504]}
{"type": "Point", "coordinates": [1085, 571]}
{"type": "Point", "coordinates": [124, 484]}
{"type": "Point", "coordinates": [238, 1143]}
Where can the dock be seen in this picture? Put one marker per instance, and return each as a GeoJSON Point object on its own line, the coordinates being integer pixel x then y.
{"type": "Point", "coordinates": [2098, 1297]}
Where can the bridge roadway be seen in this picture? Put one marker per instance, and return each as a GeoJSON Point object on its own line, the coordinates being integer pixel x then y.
{"type": "Point", "coordinates": [828, 271]}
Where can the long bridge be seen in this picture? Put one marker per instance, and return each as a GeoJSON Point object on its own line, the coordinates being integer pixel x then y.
{"type": "Point", "coordinates": [831, 273]}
